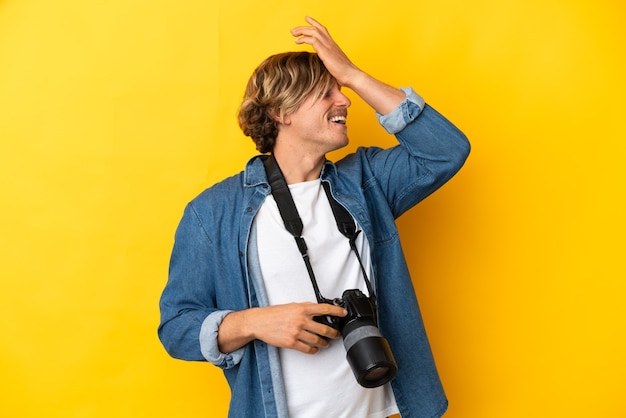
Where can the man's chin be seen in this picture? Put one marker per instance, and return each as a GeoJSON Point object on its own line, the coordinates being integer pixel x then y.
{"type": "Point", "coordinates": [340, 145]}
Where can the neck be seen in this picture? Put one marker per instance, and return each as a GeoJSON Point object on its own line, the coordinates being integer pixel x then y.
{"type": "Point", "coordinates": [299, 168]}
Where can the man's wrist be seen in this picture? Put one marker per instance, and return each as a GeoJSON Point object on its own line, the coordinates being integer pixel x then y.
{"type": "Point", "coordinates": [357, 81]}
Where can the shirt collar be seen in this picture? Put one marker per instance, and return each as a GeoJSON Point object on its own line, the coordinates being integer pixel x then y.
{"type": "Point", "coordinates": [254, 174]}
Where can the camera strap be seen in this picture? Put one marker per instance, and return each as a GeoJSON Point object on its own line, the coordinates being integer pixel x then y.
{"type": "Point", "coordinates": [293, 222]}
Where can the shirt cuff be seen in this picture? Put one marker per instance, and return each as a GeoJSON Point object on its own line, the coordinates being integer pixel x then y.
{"type": "Point", "coordinates": [405, 113]}
{"type": "Point", "coordinates": [208, 342]}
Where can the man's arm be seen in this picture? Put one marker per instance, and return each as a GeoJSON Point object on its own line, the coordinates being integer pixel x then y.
{"type": "Point", "coordinates": [435, 147]}
{"type": "Point", "coordinates": [187, 310]}
{"type": "Point", "coordinates": [284, 326]}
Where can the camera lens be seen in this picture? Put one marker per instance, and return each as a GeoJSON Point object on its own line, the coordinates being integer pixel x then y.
{"type": "Point", "coordinates": [377, 373]}
{"type": "Point", "coordinates": [369, 356]}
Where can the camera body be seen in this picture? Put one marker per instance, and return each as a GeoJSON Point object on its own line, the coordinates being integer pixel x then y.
{"type": "Point", "coordinates": [367, 352]}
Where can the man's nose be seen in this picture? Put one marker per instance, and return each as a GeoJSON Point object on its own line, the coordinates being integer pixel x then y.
{"type": "Point", "coordinates": [342, 100]}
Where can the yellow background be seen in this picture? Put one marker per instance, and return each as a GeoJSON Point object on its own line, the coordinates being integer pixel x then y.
{"type": "Point", "coordinates": [113, 114]}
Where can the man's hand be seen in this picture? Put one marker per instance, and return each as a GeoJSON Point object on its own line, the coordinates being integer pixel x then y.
{"type": "Point", "coordinates": [380, 96]}
{"type": "Point", "coordinates": [284, 326]}
{"type": "Point", "coordinates": [335, 60]}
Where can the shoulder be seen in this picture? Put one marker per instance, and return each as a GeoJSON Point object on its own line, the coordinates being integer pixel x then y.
{"type": "Point", "coordinates": [358, 163]}
{"type": "Point", "coordinates": [218, 199]}
{"type": "Point", "coordinates": [222, 189]}
{"type": "Point", "coordinates": [234, 187]}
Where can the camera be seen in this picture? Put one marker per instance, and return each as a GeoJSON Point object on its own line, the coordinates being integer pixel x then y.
{"type": "Point", "coordinates": [367, 352]}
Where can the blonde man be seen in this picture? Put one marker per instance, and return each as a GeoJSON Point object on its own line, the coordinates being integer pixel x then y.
{"type": "Point", "coordinates": [239, 294]}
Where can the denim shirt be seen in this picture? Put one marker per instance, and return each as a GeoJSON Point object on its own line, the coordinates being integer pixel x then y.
{"type": "Point", "coordinates": [214, 266]}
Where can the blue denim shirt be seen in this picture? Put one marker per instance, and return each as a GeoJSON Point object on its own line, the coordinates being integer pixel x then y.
{"type": "Point", "coordinates": [214, 267]}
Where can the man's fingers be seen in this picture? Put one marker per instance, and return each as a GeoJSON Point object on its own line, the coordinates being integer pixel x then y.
{"type": "Point", "coordinates": [311, 34]}
{"type": "Point", "coordinates": [306, 349]}
{"type": "Point", "coordinates": [325, 331]}
{"type": "Point", "coordinates": [321, 309]}
{"type": "Point", "coordinates": [294, 326]}
{"type": "Point", "coordinates": [313, 22]}
{"type": "Point", "coordinates": [317, 25]}
{"type": "Point", "coordinates": [313, 340]}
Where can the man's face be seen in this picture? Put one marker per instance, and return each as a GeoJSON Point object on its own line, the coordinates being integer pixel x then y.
{"type": "Point", "coordinates": [319, 126]}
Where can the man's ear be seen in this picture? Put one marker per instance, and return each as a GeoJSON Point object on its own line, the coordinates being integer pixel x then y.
{"type": "Point", "coordinates": [281, 120]}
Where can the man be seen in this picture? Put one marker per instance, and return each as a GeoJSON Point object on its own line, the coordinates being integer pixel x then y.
{"type": "Point", "coordinates": [239, 294]}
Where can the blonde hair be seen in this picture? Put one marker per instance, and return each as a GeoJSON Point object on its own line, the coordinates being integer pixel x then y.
{"type": "Point", "coordinates": [276, 89]}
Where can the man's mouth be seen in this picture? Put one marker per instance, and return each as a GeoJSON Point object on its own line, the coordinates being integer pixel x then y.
{"type": "Point", "coordinates": [338, 119]}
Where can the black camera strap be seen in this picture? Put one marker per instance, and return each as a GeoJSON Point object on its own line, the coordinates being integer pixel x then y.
{"type": "Point", "coordinates": [293, 222]}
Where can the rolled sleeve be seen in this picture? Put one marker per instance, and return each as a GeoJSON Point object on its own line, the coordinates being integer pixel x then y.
{"type": "Point", "coordinates": [208, 342]}
{"type": "Point", "coordinates": [405, 113]}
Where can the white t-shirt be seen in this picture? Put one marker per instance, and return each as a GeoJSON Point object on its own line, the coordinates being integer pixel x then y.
{"type": "Point", "coordinates": [323, 384]}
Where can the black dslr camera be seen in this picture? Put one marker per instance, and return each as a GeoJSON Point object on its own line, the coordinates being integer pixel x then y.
{"type": "Point", "coordinates": [367, 351]}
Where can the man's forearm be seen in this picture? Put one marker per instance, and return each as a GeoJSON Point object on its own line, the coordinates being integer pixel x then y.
{"type": "Point", "coordinates": [382, 97]}
{"type": "Point", "coordinates": [233, 332]}
{"type": "Point", "coordinates": [286, 326]}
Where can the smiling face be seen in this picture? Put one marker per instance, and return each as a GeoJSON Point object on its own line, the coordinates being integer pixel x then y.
{"type": "Point", "coordinates": [277, 88]}
{"type": "Point", "coordinates": [318, 126]}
